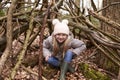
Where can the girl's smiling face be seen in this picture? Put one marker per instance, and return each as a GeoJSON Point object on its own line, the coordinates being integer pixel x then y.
{"type": "Point", "coordinates": [60, 37]}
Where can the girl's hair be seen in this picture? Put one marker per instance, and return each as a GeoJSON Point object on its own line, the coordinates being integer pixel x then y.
{"type": "Point", "coordinates": [56, 47]}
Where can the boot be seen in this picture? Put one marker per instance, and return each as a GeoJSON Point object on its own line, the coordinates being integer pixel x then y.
{"type": "Point", "coordinates": [64, 69]}
{"type": "Point", "coordinates": [71, 69]}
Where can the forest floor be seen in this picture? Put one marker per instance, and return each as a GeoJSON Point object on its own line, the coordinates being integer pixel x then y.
{"type": "Point", "coordinates": [49, 73]}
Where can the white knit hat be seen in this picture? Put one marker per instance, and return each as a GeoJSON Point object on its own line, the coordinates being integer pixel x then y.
{"type": "Point", "coordinates": [60, 27]}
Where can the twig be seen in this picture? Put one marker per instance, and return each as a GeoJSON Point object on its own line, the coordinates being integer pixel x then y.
{"type": "Point", "coordinates": [41, 42]}
{"type": "Point", "coordinates": [115, 3]}
{"type": "Point", "coordinates": [106, 20]}
{"type": "Point", "coordinates": [104, 52]}
{"type": "Point", "coordinates": [25, 46]}
{"type": "Point", "coordinates": [30, 71]}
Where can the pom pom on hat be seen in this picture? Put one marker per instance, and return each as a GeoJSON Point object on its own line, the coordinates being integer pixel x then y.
{"type": "Point", "coordinates": [60, 27]}
{"type": "Point", "coordinates": [65, 21]}
{"type": "Point", "coordinates": [55, 21]}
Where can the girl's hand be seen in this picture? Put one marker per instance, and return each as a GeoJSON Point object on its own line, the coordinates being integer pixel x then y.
{"type": "Point", "coordinates": [47, 57]}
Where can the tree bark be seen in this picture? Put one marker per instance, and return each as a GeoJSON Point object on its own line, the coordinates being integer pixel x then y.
{"type": "Point", "coordinates": [110, 23]}
{"type": "Point", "coordinates": [8, 35]}
{"type": "Point", "coordinates": [113, 13]}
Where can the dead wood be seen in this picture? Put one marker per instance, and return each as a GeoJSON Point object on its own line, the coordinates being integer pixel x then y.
{"type": "Point", "coordinates": [93, 5]}
{"type": "Point", "coordinates": [106, 20]}
{"type": "Point", "coordinates": [41, 41]}
{"type": "Point", "coordinates": [8, 36]}
{"type": "Point", "coordinates": [15, 35]}
{"type": "Point", "coordinates": [96, 36]}
{"type": "Point", "coordinates": [111, 36]}
{"type": "Point", "coordinates": [100, 39]}
{"type": "Point", "coordinates": [34, 73]}
{"type": "Point", "coordinates": [22, 53]}
{"type": "Point", "coordinates": [17, 14]}
{"type": "Point", "coordinates": [105, 53]}
{"type": "Point", "coordinates": [105, 41]}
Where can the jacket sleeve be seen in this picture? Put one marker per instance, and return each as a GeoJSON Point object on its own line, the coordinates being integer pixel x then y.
{"type": "Point", "coordinates": [78, 46]}
{"type": "Point", "coordinates": [46, 47]}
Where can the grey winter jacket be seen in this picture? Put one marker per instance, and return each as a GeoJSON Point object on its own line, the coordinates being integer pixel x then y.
{"type": "Point", "coordinates": [75, 45]}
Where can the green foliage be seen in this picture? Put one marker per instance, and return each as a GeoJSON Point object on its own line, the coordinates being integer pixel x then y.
{"type": "Point", "coordinates": [110, 66]}
{"type": "Point", "coordinates": [77, 30]}
{"type": "Point", "coordinates": [2, 13]}
{"type": "Point", "coordinates": [95, 21]}
{"type": "Point", "coordinates": [92, 74]}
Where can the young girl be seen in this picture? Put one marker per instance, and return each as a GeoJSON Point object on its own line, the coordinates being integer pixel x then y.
{"type": "Point", "coordinates": [59, 48]}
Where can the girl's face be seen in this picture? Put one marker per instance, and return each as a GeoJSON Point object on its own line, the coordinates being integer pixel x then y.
{"type": "Point", "coordinates": [60, 37]}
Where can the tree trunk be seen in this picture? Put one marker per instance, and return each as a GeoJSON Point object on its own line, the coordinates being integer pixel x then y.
{"type": "Point", "coordinates": [119, 74]}
{"type": "Point", "coordinates": [113, 13]}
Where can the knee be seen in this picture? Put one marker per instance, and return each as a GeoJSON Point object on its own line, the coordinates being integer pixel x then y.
{"type": "Point", "coordinates": [69, 53]}
{"type": "Point", "coordinates": [53, 61]}
{"type": "Point", "coordinates": [68, 56]}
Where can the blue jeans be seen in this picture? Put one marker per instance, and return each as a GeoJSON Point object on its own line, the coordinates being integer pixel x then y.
{"type": "Point", "coordinates": [68, 56]}
{"type": "Point", "coordinates": [55, 62]}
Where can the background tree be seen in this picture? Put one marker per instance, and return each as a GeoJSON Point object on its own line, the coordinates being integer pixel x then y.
{"type": "Point", "coordinates": [112, 12]}
{"type": "Point", "coordinates": [114, 6]}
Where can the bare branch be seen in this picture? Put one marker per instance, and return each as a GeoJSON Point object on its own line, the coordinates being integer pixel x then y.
{"type": "Point", "coordinates": [9, 36]}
